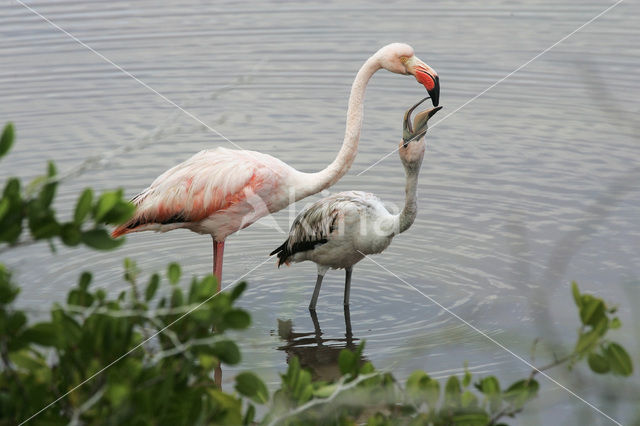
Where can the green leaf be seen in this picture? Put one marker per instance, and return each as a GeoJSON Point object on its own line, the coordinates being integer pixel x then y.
{"type": "Point", "coordinates": [615, 323]}
{"type": "Point", "coordinates": [249, 415]}
{"type": "Point", "coordinates": [44, 333]}
{"type": "Point", "coordinates": [237, 319]}
{"type": "Point", "coordinates": [452, 392]}
{"type": "Point", "coordinates": [152, 287]}
{"type": "Point", "coordinates": [468, 399]}
{"type": "Point", "coordinates": [347, 362]}
{"type": "Point", "coordinates": [576, 294]}
{"type": "Point", "coordinates": [6, 141]}
{"type": "Point", "coordinates": [422, 388]}
{"type": "Point", "coordinates": [250, 385]}
{"type": "Point", "coordinates": [4, 207]}
{"type": "Point", "coordinates": [226, 351]}
{"type": "Point", "coordinates": [592, 310]}
{"type": "Point", "coordinates": [71, 234]}
{"type": "Point", "coordinates": [228, 409]}
{"type": "Point", "coordinates": [28, 361]}
{"type": "Point", "coordinates": [587, 341]}
{"type": "Point", "coordinates": [177, 298]}
{"type": "Point", "coordinates": [34, 185]}
{"type": "Point", "coordinates": [105, 204]}
{"type": "Point", "coordinates": [117, 393]}
{"type": "Point", "coordinates": [173, 272]}
{"type": "Point", "coordinates": [466, 380]}
{"type": "Point", "coordinates": [471, 419]}
{"type": "Point", "coordinates": [325, 391]}
{"type": "Point", "coordinates": [11, 233]}
{"type": "Point", "coordinates": [619, 360]}
{"type": "Point", "coordinates": [14, 322]}
{"type": "Point", "coordinates": [131, 270]}
{"type": "Point", "coordinates": [83, 206]}
{"type": "Point", "coordinates": [598, 363]}
{"type": "Point", "coordinates": [8, 291]}
{"type": "Point", "coordinates": [100, 239]}
{"type": "Point", "coordinates": [51, 169]}
{"type": "Point", "coordinates": [85, 280]}
{"type": "Point", "coordinates": [207, 361]}
{"type": "Point", "coordinates": [520, 392]}
{"type": "Point", "coordinates": [48, 191]}
{"type": "Point", "coordinates": [238, 290]}
{"type": "Point", "coordinates": [490, 387]}
{"type": "Point", "coordinates": [42, 222]}
{"type": "Point", "coordinates": [121, 212]}
{"type": "Point", "coordinates": [12, 188]}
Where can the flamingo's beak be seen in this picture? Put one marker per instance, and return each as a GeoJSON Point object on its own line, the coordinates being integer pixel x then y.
{"type": "Point", "coordinates": [419, 128]}
{"type": "Point", "coordinates": [426, 76]}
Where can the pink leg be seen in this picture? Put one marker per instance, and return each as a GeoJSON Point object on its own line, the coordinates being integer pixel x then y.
{"type": "Point", "coordinates": [218, 253]}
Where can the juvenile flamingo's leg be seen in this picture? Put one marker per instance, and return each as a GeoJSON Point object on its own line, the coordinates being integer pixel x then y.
{"type": "Point", "coordinates": [347, 285]}
{"type": "Point", "coordinates": [218, 253]}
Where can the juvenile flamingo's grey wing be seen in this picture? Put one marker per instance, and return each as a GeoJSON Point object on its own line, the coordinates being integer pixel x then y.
{"type": "Point", "coordinates": [315, 225]}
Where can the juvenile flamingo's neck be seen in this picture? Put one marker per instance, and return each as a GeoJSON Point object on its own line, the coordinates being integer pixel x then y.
{"type": "Point", "coordinates": [316, 182]}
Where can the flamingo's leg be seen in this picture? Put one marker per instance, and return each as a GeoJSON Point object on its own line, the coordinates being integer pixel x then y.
{"type": "Point", "coordinates": [316, 292]}
{"type": "Point", "coordinates": [316, 326]}
{"type": "Point", "coordinates": [347, 285]}
{"type": "Point", "coordinates": [347, 325]}
{"type": "Point", "coordinates": [218, 253]}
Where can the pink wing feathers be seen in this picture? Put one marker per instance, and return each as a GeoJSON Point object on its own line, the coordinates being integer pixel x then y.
{"type": "Point", "coordinates": [208, 182]}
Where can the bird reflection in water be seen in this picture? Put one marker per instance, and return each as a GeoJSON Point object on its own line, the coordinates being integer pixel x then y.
{"type": "Point", "coordinates": [316, 353]}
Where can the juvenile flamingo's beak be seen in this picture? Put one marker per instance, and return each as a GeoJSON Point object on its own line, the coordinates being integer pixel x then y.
{"type": "Point", "coordinates": [419, 128]}
{"type": "Point", "coordinates": [426, 76]}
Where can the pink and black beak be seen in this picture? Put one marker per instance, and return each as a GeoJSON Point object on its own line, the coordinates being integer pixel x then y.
{"type": "Point", "coordinates": [426, 76]}
{"type": "Point", "coordinates": [419, 128]}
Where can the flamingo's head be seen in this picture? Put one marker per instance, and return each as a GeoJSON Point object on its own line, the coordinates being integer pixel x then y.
{"type": "Point", "coordinates": [400, 59]}
{"type": "Point", "coordinates": [413, 146]}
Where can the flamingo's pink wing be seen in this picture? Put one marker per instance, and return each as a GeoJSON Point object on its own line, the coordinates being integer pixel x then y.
{"type": "Point", "coordinates": [209, 181]}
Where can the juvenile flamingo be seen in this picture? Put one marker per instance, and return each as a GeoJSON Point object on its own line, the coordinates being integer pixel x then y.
{"type": "Point", "coordinates": [221, 191]}
{"type": "Point", "coordinates": [339, 230]}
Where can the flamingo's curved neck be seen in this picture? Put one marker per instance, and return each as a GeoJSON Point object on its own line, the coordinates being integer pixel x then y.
{"type": "Point", "coordinates": [410, 210]}
{"type": "Point", "coordinates": [312, 183]}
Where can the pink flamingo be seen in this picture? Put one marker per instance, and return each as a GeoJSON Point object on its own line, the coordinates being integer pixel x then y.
{"type": "Point", "coordinates": [221, 191]}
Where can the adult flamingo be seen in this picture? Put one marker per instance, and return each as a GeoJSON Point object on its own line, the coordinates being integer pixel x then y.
{"type": "Point", "coordinates": [339, 230]}
{"type": "Point", "coordinates": [221, 191]}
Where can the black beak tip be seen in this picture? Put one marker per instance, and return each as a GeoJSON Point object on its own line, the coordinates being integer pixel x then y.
{"type": "Point", "coordinates": [435, 92]}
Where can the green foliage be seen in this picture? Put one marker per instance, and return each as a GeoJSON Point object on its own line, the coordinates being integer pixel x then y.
{"type": "Point", "coordinates": [603, 356]}
{"type": "Point", "coordinates": [250, 385]}
{"type": "Point", "coordinates": [173, 272]}
{"type": "Point", "coordinates": [31, 207]}
{"type": "Point", "coordinates": [168, 354]}
{"type": "Point", "coordinates": [6, 140]}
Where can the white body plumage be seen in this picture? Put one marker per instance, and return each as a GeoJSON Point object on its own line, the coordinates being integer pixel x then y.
{"type": "Point", "coordinates": [354, 223]}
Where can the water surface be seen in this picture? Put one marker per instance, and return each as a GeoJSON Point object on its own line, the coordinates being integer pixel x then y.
{"type": "Point", "coordinates": [526, 188]}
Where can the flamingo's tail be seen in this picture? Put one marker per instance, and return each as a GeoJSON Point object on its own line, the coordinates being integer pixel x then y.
{"type": "Point", "coordinates": [120, 231]}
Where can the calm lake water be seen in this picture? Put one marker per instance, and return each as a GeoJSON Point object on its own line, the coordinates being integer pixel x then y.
{"type": "Point", "coordinates": [528, 187]}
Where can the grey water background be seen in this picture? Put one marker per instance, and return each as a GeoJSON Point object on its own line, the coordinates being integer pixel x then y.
{"type": "Point", "coordinates": [530, 186]}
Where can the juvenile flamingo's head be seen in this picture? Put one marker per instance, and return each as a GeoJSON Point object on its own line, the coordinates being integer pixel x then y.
{"type": "Point", "coordinates": [413, 146]}
{"type": "Point", "coordinates": [400, 59]}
